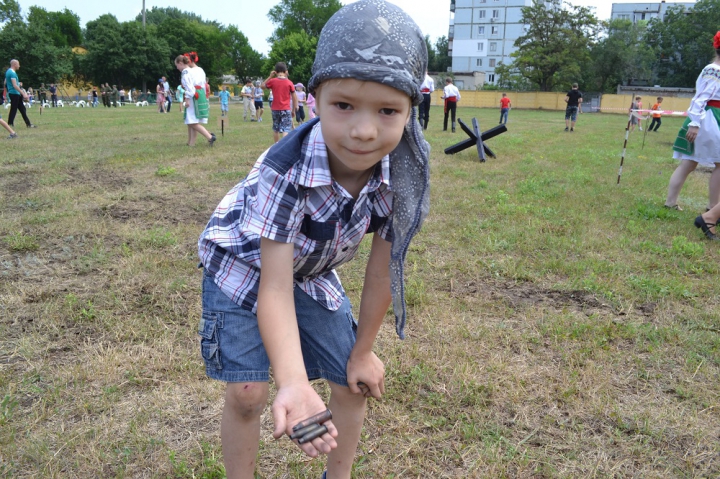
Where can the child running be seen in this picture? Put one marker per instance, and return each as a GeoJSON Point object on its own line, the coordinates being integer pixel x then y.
{"type": "Point", "coordinates": [271, 295]}
{"type": "Point", "coordinates": [656, 117]}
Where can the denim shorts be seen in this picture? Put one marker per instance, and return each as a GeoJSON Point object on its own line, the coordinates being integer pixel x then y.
{"type": "Point", "coordinates": [282, 121]}
{"type": "Point", "coordinates": [571, 113]}
{"type": "Point", "coordinates": [233, 351]}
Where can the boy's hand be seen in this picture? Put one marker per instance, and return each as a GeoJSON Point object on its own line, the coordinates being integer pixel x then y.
{"type": "Point", "coordinates": [298, 401]}
{"type": "Point", "coordinates": [368, 369]}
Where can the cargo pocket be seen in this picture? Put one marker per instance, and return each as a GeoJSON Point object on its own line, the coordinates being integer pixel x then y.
{"type": "Point", "coordinates": [209, 344]}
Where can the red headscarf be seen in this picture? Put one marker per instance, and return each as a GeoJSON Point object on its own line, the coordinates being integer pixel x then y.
{"type": "Point", "coordinates": [192, 56]}
{"type": "Point", "coordinates": [716, 41]}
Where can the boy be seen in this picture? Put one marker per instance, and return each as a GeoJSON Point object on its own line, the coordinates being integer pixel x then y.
{"type": "Point", "coordinates": [573, 98]}
{"type": "Point", "coordinates": [270, 291]}
{"type": "Point", "coordinates": [636, 116]}
{"type": "Point", "coordinates": [505, 106]}
{"type": "Point", "coordinates": [451, 95]}
{"type": "Point", "coordinates": [282, 91]}
{"type": "Point", "coordinates": [224, 99]}
{"type": "Point", "coordinates": [656, 117]}
{"type": "Point", "coordinates": [248, 96]}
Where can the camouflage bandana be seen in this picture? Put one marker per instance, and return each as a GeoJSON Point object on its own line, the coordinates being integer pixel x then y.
{"type": "Point", "coordinates": [372, 40]}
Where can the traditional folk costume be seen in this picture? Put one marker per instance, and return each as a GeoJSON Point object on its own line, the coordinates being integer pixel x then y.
{"type": "Point", "coordinates": [193, 81]}
{"type": "Point", "coordinates": [427, 87]}
{"type": "Point", "coordinates": [451, 95]}
{"type": "Point", "coordinates": [704, 112]}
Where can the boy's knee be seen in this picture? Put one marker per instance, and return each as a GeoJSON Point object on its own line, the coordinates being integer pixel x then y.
{"type": "Point", "coordinates": [247, 400]}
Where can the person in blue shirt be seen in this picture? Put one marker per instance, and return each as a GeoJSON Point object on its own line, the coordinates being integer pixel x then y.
{"type": "Point", "coordinates": [224, 101]}
{"type": "Point", "coordinates": [16, 94]}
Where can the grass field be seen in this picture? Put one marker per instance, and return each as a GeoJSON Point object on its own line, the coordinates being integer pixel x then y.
{"type": "Point", "coordinates": [560, 325]}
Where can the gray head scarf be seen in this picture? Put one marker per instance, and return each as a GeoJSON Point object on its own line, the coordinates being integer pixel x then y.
{"type": "Point", "coordinates": [372, 40]}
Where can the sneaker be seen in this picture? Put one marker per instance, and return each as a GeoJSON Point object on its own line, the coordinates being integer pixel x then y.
{"type": "Point", "coordinates": [212, 139]}
{"type": "Point", "coordinates": [12, 137]}
{"type": "Point", "coordinates": [566, 128]}
{"type": "Point", "coordinates": [32, 125]}
{"type": "Point", "coordinates": [572, 129]}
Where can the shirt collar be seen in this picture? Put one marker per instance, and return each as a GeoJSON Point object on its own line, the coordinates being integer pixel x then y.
{"type": "Point", "coordinates": [317, 166]}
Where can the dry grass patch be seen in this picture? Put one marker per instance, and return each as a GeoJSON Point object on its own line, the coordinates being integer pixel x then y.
{"type": "Point", "coordinates": [560, 325]}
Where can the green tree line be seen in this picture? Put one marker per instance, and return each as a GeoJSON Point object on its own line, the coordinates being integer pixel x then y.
{"type": "Point", "coordinates": [565, 43]}
{"type": "Point", "coordinates": [128, 53]}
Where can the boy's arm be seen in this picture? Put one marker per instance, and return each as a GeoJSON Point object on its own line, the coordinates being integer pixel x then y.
{"type": "Point", "coordinates": [294, 102]}
{"type": "Point", "coordinates": [296, 399]}
{"type": "Point", "coordinates": [363, 365]}
{"type": "Point", "coordinates": [273, 74]}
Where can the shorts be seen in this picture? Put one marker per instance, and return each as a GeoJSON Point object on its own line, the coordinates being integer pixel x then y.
{"type": "Point", "coordinates": [571, 113]}
{"type": "Point", "coordinates": [258, 104]}
{"type": "Point", "coordinates": [223, 106]}
{"type": "Point", "coordinates": [233, 351]}
{"type": "Point", "coordinates": [282, 121]}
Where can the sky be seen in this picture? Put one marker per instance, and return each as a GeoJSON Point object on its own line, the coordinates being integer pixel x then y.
{"type": "Point", "coordinates": [432, 16]}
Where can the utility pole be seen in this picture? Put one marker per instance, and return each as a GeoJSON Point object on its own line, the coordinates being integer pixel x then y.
{"type": "Point", "coordinates": [144, 83]}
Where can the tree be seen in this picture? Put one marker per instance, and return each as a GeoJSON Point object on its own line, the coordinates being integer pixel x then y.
{"type": "Point", "coordinates": [683, 42]}
{"type": "Point", "coordinates": [10, 11]}
{"type": "Point", "coordinates": [247, 64]}
{"type": "Point", "coordinates": [620, 57]}
{"type": "Point", "coordinates": [431, 54]}
{"type": "Point", "coordinates": [293, 50]}
{"type": "Point", "coordinates": [124, 54]}
{"type": "Point", "coordinates": [556, 43]}
{"type": "Point", "coordinates": [62, 27]}
{"type": "Point", "coordinates": [41, 60]}
{"type": "Point", "coordinates": [442, 60]}
{"type": "Point", "coordinates": [295, 16]}
{"type": "Point", "coordinates": [158, 15]}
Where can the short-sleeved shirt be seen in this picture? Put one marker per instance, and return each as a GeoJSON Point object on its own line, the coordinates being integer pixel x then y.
{"type": "Point", "coordinates": [282, 89]}
{"type": "Point", "coordinates": [289, 196]}
{"type": "Point", "coordinates": [656, 106]}
{"type": "Point", "coordinates": [224, 97]}
{"type": "Point", "coordinates": [504, 102]}
{"type": "Point", "coordinates": [574, 97]}
{"type": "Point", "coordinates": [9, 75]}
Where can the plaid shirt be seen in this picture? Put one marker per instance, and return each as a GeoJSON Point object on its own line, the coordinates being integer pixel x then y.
{"type": "Point", "coordinates": [289, 196]}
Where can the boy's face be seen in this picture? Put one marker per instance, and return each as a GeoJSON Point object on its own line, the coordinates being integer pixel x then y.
{"type": "Point", "coordinates": [361, 122]}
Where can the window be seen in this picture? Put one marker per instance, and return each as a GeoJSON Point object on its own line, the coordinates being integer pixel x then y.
{"type": "Point", "coordinates": [478, 62]}
{"type": "Point", "coordinates": [494, 30]}
{"type": "Point", "coordinates": [492, 62]}
{"type": "Point", "coordinates": [482, 1]}
{"type": "Point", "coordinates": [481, 14]}
{"type": "Point", "coordinates": [493, 47]}
{"type": "Point", "coordinates": [496, 14]}
{"type": "Point", "coordinates": [481, 30]}
{"type": "Point", "coordinates": [481, 47]}
{"type": "Point", "coordinates": [491, 78]}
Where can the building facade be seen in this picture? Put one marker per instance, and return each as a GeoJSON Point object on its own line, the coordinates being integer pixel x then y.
{"type": "Point", "coordinates": [482, 34]}
{"type": "Point", "coordinates": [637, 12]}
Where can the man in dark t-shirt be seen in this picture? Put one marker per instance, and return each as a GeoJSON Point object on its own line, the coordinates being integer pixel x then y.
{"type": "Point", "coordinates": [573, 100]}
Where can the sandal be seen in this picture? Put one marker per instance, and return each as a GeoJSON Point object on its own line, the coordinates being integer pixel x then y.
{"type": "Point", "coordinates": [673, 207]}
{"type": "Point", "coordinates": [705, 227]}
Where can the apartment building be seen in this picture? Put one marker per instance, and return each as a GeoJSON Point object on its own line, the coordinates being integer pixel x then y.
{"type": "Point", "coordinates": [482, 34]}
{"type": "Point", "coordinates": [637, 12]}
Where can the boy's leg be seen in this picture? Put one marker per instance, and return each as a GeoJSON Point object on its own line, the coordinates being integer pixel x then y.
{"type": "Point", "coordinates": [659, 121]}
{"type": "Point", "coordinates": [445, 120]}
{"type": "Point", "coordinates": [240, 427]}
{"type": "Point", "coordinates": [348, 416]}
{"type": "Point", "coordinates": [677, 180]}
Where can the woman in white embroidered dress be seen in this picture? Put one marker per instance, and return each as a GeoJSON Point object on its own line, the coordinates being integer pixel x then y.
{"type": "Point", "coordinates": [698, 141]}
{"type": "Point", "coordinates": [191, 79]}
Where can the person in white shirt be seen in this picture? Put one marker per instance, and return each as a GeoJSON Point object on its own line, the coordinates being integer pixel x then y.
{"type": "Point", "coordinates": [427, 87]}
{"type": "Point", "coordinates": [451, 95]}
